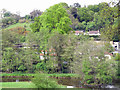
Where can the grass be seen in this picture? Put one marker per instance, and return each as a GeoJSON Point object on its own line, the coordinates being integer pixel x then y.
{"type": "Point", "coordinates": [20, 85]}
{"type": "Point", "coordinates": [20, 25]}
{"type": "Point", "coordinates": [17, 85]}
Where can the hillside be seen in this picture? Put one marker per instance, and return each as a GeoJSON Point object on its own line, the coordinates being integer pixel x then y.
{"type": "Point", "coordinates": [25, 25]}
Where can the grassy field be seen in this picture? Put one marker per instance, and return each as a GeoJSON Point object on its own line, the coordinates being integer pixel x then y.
{"type": "Point", "coordinates": [20, 25]}
{"type": "Point", "coordinates": [20, 85]}
{"type": "Point", "coordinates": [17, 85]}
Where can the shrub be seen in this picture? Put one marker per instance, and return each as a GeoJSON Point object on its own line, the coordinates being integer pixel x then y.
{"type": "Point", "coordinates": [7, 21]}
{"type": "Point", "coordinates": [43, 81]}
{"type": "Point", "coordinates": [22, 20]}
{"type": "Point", "coordinates": [117, 57]}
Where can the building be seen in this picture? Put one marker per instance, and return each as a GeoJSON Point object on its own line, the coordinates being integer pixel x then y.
{"type": "Point", "coordinates": [50, 52]}
{"type": "Point", "coordinates": [116, 46]}
{"type": "Point", "coordinates": [109, 55]}
{"type": "Point", "coordinates": [94, 33]}
{"type": "Point", "coordinates": [78, 32]}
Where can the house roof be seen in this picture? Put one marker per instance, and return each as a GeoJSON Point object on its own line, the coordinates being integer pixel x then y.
{"type": "Point", "coordinates": [41, 54]}
{"type": "Point", "coordinates": [50, 50]}
{"type": "Point", "coordinates": [53, 54]}
{"type": "Point", "coordinates": [93, 32]}
{"type": "Point", "coordinates": [78, 31]}
{"type": "Point", "coordinates": [107, 53]}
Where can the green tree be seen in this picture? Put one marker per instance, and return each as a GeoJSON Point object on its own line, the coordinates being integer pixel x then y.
{"type": "Point", "coordinates": [94, 8]}
{"type": "Point", "coordinates": [74, 20]}
{"type": "Point", "coordinates": [9, 38]}
{"type": "Point", "coordinates": [57, 42]}
{"type": "Point", "coordinates": [73, 11]}
{"type": "Point", "coordinates": [84, 14]}
{"type": "Point", "coordinates": [70, 43]}
{"type": "Point", "coordinates": [111, 18]}
{"type": "Point", "coordinates": [92, 65]}
{"type": "Point", "coordinates": [52, 19]}
{"type": "Point", "coordinates": [90, 26]}
{"type": "Point", "coordinates": [15, 58]}
{"type": "Point", "coordinates": [7, 14]}
{"type": "Point", "coordinates": [8, 60]}
{"type": "Point", "coordinates": [7, 21]}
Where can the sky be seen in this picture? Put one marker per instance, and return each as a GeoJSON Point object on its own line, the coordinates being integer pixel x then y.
{"type": "Point", "coordinates": [24, 7]}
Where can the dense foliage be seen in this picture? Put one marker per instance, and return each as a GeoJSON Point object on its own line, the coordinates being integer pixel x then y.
{"type": "Point", "coordinates": [92, 65]}
{"type": "Point", "coordinates": [63, 52]}
{"type": "Point", "coordinates": [53, 19]}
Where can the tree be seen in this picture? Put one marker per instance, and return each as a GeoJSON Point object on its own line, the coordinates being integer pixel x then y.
{"type": "Point", "coordinates": [2, 12]}
{"type": "Point", "coordinates": [35, 13]}
{"type": "Point", "coordinates": [84, 14]}
{"type": "Point", "coordinates": [52, 19]}
{"type": "Point", "coordinates": [7, 21]}
{"type": "Point", "coordinates": [16, 17]}
{"type": "Point", "coordinates": [8, 60]}
{"type": "Point", "coordinates": [65, 5]}
{"type": "Point", "coordinates": [56, 42]}
{"type": "Point", "coordinates": [77, 5]}
{"type": "Point", "coordinates": [27, 16]}
{"type": "Point", "coordinates": [7, 14]}
{"type": "Point", "coordinates": [90, 26]}
{"type": "Point", "coordinates": [9, 38]}
{"type": "Point", "coordinates": [92, 65]}
{"type": "Point", "coordinates": [9, 53]}
{"type": "Point", "coordinates": [103, 5]}
{"type": "Point", "coordinates": [73, 19]}
{"type": "Point", "coordinates": [94, 8]}
{"type": "Point", "coordinates": [82, 26]}
{"type": "Point", "coordinates": [70, 43]}
{"type": "Point", "coordinates": [73, 11]}
{"type": "Point", "coordinates": [110, 17]}
{"type": "Point", "coordinates": [15, 58]}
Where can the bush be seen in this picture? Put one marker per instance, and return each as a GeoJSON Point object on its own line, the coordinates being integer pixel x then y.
{"type": "Point", "coordinates": [22, 20]}
{"type": "Point", "coordinates": [117, 57]}
{"type": "Point", "coordinates": [43, 81]}
{"type": "Point", "coordinates": [7, 21]}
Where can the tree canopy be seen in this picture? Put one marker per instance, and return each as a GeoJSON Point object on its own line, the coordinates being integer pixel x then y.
{"type": "Point", "coordinates": [53, 19]}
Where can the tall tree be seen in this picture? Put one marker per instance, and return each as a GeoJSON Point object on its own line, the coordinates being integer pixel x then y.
{"type": "Point", "coordinates": [56, 42]}
{"type": "Point", "coordinates": [35, 13]}
{"type": "Point", "coordinates": [84, 14]}
{"type": "Point", "coordinates": [52, 19]}
{"type": "Point", "coordinates": [92, 65]}
{"type": "Point", "coordinates": [110, 17]}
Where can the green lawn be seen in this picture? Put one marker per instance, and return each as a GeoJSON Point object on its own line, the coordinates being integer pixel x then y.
{"type": "Point", "coordinates": [20, 85]}
{"type": "Point", "coordinates": [20, 25]}
{"type": "Point", "coordinates": [17, 85]}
